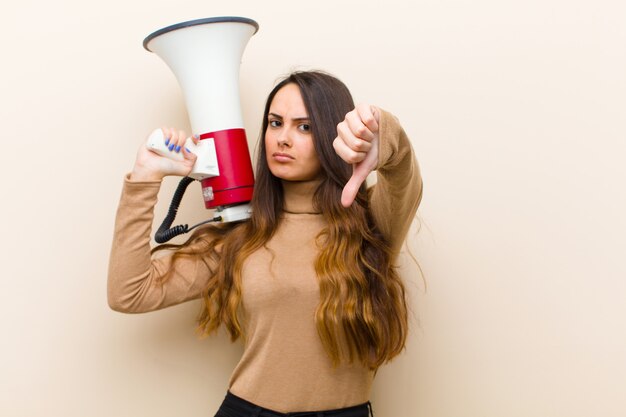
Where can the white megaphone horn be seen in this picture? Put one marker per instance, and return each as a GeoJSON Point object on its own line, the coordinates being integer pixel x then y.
{"type": "Point", "coordinates": [205, 55]}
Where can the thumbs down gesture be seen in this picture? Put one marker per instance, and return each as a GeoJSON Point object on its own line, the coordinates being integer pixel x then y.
{"type": "Point", "coordinates": [357, 144]}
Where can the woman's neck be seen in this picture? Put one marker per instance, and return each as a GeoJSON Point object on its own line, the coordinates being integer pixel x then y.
{"type": "Point", "coordinates": [298, 196]}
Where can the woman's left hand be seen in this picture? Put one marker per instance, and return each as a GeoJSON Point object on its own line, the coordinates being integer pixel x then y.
{"type": "Point", "coordinates": [357, 144]}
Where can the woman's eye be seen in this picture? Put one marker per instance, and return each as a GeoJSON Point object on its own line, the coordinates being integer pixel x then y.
{"type": "Point", "coordinates": [305, 127]}
{"type": "Point", "coordinates": [275, 123]}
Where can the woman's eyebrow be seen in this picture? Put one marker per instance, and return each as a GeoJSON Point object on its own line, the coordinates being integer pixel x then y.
{"type": "Point", "coordinates": [295, 119]}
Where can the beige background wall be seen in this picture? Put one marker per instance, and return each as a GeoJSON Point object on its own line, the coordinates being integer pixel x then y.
{"type": "Point", "coordinates": [516, 111]}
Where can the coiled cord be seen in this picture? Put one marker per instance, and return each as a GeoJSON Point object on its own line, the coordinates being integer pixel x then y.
{"type": "Point", "coordinates": [165, 233]}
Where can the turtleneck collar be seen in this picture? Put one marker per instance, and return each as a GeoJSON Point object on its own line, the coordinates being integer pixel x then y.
{"type": "Point", "coordinates": [298, 196]}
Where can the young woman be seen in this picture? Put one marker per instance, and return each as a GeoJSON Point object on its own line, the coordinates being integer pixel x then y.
{"type": "Point", "coordinates": [309, 281]}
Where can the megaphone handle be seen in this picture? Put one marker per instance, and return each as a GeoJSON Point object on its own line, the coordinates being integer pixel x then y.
{"type": "Point", "coordinates": [156, 143]}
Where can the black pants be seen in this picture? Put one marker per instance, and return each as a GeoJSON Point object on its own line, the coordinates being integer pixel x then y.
{"type": "Point", "coordinates": [233, 406]}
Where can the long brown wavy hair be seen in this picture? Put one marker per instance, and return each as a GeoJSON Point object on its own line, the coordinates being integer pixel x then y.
{"type": "Point", "coordinates": [362, 299]}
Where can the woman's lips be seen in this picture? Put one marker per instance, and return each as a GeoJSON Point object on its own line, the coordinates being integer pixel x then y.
{"type": "Point", "coordinates": [282, 157]}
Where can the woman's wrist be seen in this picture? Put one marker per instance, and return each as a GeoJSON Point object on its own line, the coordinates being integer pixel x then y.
{"type": "Point", "coordinates": [138, 174]}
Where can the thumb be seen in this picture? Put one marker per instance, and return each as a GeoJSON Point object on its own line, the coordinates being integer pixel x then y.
{"type": "Point", "coordinates": [351, 189]}
{"type": "Point", "coordinates": [360, 171]}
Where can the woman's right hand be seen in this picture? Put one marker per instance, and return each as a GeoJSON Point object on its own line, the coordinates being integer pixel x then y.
{"type": "Point", "coordinates": [150, 166]}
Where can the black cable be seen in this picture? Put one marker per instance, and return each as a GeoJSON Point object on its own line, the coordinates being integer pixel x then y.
{"type": "Point", "coordinates": [165, 233]}
{"type": "Point", "coordinates": [214, 219]}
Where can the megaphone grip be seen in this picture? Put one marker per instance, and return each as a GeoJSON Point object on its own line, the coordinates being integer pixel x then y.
{"type": "Point", "coordinates": [156, 143]}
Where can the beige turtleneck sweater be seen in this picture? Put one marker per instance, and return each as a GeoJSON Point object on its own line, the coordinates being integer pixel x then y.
{"type": "Point", "coordinates": [284, 366]}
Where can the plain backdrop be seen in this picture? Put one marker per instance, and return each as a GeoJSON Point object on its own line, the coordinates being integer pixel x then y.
{"type": "Point", "coordinates": [517, 113]}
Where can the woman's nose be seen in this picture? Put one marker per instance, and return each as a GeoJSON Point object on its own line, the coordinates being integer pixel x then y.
{"type": "Point", "coordinates": [284, 139]}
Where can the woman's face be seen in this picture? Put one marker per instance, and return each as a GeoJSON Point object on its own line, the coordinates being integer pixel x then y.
{"type": "Point", "coordinates": [289, 148]}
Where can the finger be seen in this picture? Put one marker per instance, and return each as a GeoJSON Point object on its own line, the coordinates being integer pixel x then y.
{"type": "Point", "coordinates": [358, 127]}
{"type": "Point", "coordinates": [351, 189]}
{"type": "Point", "coordinates": [170, 140]}
{"type": "Point", "coordinates": [178, 141]}
{"type": "Point", "coordinates": [346, 153]}
{"type": "Point", "coordinates": [195, 139]}
{"type": "Point", "coordinates": [360, 172]}
{"type": "Point", "coordinates": [188, 155]}
{"type": "Point", "coordinates": [345, 133]}
{"type": "Point", "coordinates": [167, 135]}
{"type": "Point", "coordinates": [369, 116]}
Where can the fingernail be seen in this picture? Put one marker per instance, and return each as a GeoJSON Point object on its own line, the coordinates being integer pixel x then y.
{"type": "Point", "coordinates": [178, 149]}
{"type": "Point", "coordinates": [171, 147]}
{"type": "Point", "coordinates": [196, 136]}
{"type": "Point", "coordinates": [167, 142]}
{"type": "Point", "coordinates": [187, 149]}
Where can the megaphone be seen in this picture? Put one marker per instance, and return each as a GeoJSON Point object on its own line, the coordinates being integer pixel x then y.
{"type": "Point", "coordinates": [205, 55]}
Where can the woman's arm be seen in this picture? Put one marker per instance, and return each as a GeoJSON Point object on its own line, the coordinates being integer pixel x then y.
{"type": "Point", "coordinates": [136, 282]}
{"type": "Point", "coordinates": [372, 139]}
{"type": "Point", "coordinates": [398, 191]}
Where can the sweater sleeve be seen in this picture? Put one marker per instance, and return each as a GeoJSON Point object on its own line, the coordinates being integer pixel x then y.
{"type": "Point", "coordinates": [398, 191]}
{"type": "Point", "coordinates": [136, 282]}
